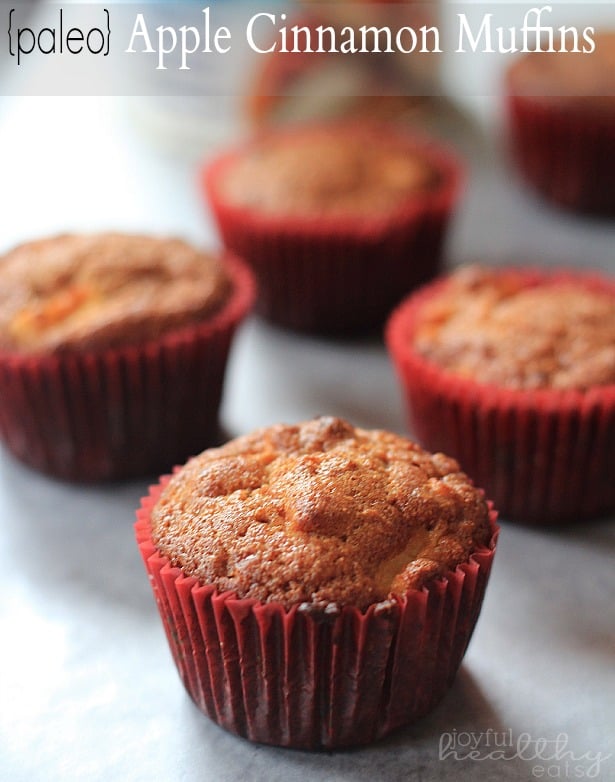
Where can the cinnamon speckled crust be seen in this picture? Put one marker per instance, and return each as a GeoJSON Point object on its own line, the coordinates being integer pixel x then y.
{"type": "Point", "coordinates": [329, 171]}
{"type": "Point", "coordinates": [491, 326]}
{"type": "Point", "coordinates": [570, 78]}
{"type": "Point", "coordinates": [319, 512]}
{"type": "Point", "coordinates": [76, 292]}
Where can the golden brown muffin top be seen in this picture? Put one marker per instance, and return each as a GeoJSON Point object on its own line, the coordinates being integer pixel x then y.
{"type": "Point", "coordinates": [76, 292]}
{"type": "Point", "coordinates": [328, 172]}
{"type": "Point", "coordinates": [319, 513]}
{"type": "Point", "coordinates": [588, 78]}
{"type": "Point", "coordinates": [495, 328]}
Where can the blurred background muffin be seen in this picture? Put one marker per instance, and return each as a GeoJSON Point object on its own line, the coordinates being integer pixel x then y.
{"type": "Point", "coordinates": [337, 221]}
{"type": "Point", "coordinates": [513, 373]}
{"type": "Point", "coordinates": [561, 113]}
{"type": "Point", "coordinates": [104, 339]}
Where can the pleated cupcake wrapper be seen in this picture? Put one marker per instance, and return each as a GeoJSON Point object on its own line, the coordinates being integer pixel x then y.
{"type": "Point", "coordinates": [122, 412]}
{"type": "Point", "coordinates": [306, 679]}
{"type": "Point", "coordinates": [567, 155]}
{"type": "Point", "coordinates": [337, 275]}
{"type": "Point", "coordinates": [543, 456]}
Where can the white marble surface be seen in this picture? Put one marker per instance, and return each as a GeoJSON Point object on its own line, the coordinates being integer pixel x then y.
{"type": "Point", "coordinates": [87, 687]}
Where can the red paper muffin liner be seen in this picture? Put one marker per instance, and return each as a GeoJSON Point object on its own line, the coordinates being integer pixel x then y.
{"type": "Point", "coordinates": [122, 412]}
{"type": "Point", "coordinates": [566, 153]}
{"type": "Point", "coordinates": [338, 275]}
{"type": "Point", "coordinates": [314, 679]}
{"type": "Point", "coordinates": [544, 456]}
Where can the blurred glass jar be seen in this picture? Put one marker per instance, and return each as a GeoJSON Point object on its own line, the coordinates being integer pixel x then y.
{"type": "Point", "coordinates": [290, 86]}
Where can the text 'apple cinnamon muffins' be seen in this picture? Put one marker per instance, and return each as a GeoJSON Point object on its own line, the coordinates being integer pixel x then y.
{"type": "Point", "coordinates": [318, 583]}
{"type": "Point", "coordinates": [512, 371]}
{"type": "Point", "coordinates": [105, 341]}
{"type": "Point", "coordinates": [338, 221]}
{"type": "Point", "coordinates": [561, 113]}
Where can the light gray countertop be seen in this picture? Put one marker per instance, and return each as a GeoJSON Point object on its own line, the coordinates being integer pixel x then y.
{"type": "Point", "coordinates": [88, 690]}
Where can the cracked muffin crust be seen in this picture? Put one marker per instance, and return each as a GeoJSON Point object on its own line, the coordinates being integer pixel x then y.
{"type": "Point", "coordinates": [492, 326]}
{"type": "Point", "coordinates": [82, 292]}
{"type": "Point", "coordinates": [319, 513]}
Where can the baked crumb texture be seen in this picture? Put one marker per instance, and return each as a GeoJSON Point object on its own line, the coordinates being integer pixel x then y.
{"type": "Point", "coordinates": [319, 513]}
{"type": "Point", "coordinates": [494, 328]}
{"type": "Point", "coordinates": [90, 292]}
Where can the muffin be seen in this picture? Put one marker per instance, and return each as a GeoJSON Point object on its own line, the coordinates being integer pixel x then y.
{"type": "Point", "coordinates": [318, 583]}
{"type": "Point", "coordinates": [512, 372]}
{"type": "Point", "coordinates": [561, 109]}
{"type": "Point", "coordinates": [337, 221]}
{"type": "Point", "coordinates": [105, 341]}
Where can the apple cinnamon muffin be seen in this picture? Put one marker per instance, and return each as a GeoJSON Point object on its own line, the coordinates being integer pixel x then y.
{"type": "Point", "coordinates": [338, 221]}
{"type": "Point", "coordinates": [561, 115]}
{"type": "Point", "coordinates": [512, 371]}
{"type": "Point", "coordinates": [90, 292]}
{"type": "Point", "coordinates": [104, 339]}
{"type": "Point", "coordinates": [318, 583]}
